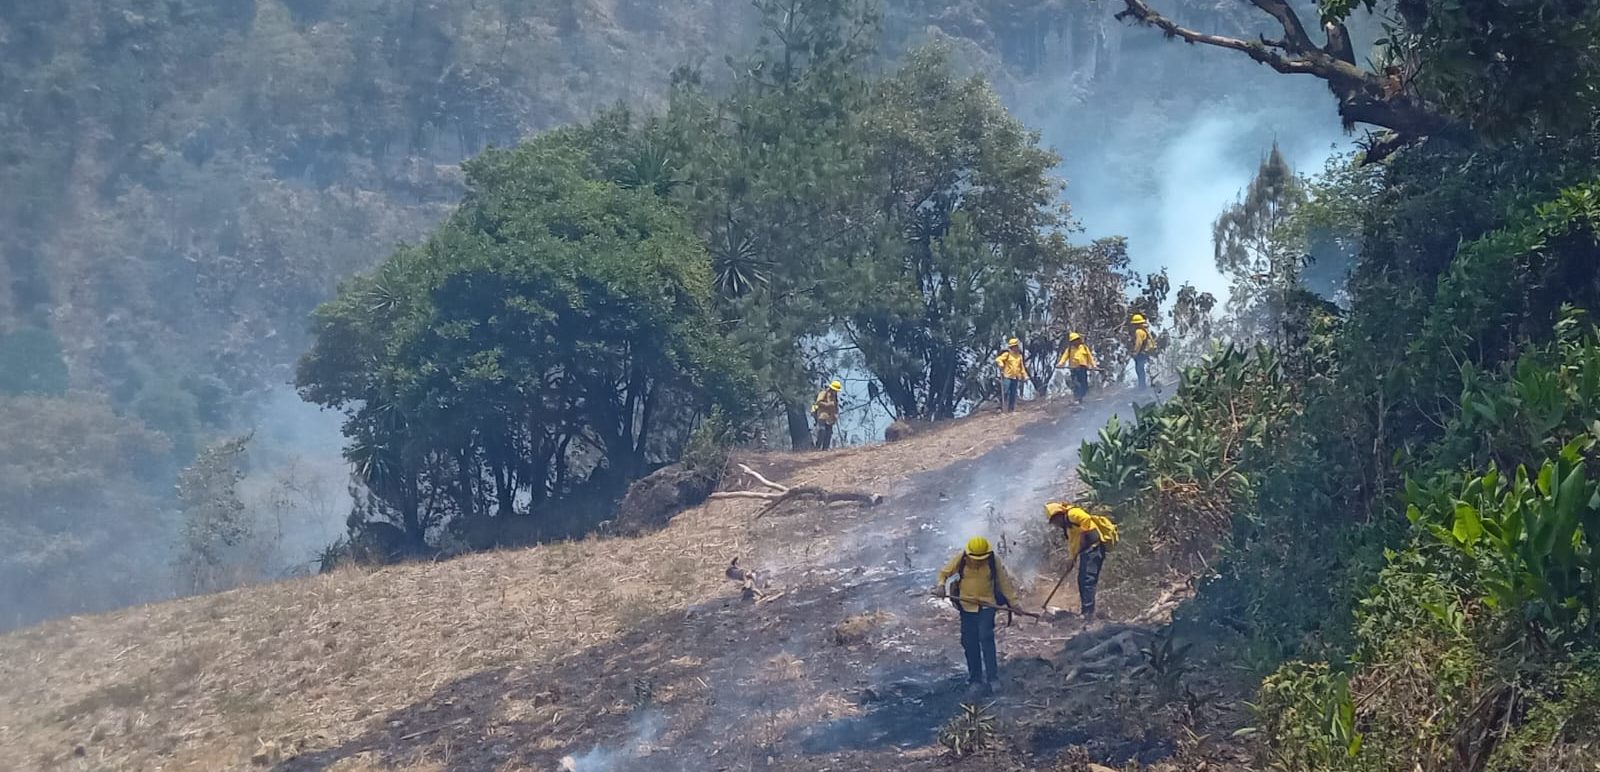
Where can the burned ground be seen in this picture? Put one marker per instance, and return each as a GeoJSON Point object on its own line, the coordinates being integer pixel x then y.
{"type": "Point", "coordinates": [637, 653]}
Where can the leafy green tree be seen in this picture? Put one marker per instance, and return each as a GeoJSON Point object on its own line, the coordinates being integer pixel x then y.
{"type": "Point", "coordinates": [1095, 291]}
{"type": "Point", "coordinates": [215, 521]}
{"type": "Point", "coordinates": [1330, 223]}
{"type": "Point", "coordinates": [774, 186]}
{"type": "Point", "coordinates": [966, 200]}
{"type": "Point", "coordinates": [1193, 328]}
{"type": "Point", "coordinates": [1502, 68]}
{"type": "Point", "coordinates": [1257, 249]}
{"type": "Point", "coordinates": [555, 336]}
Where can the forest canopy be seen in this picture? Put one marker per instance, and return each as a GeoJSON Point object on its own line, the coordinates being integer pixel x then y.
{"type": "Point", "coordinates": [555, 333]}
{"type": "Point", "coordinates": [603, 288]}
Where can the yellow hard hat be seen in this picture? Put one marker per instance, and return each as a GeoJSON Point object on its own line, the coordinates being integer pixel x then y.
{"type": "Point", "coordinates": [1074, 337]}
{"type": "Point", "coordinates": [1013, 342]}
{"type": "Point", "coordinates": [977, 547]}
{"type": "Point", "coordinates": [1137, 319]}
{"type": "Point", "coordinates": [1054, 510]}
{"type": "Point", "coordinates": [836, 386]}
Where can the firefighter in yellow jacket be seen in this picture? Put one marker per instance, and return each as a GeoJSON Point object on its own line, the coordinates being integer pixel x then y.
{"type": "Point", "coordinates": [1144, 345]}
{"type": "Point", "coordinates": [982, 586]}
{"type": "Point", "coordinates": [1013, 373]}
{"type": "Point", "coordinates": [826, 411]}
{"type": "Point", "coordinates": [1087, 538]}
{"type": "Point", "coordinates": [1080, 359]}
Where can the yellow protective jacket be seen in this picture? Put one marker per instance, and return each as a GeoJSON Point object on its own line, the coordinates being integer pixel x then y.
{"type": "Point", "coordinates": [826, 408]}
{"type": "Point", "coordinates": [1143, 342]}
{"type": "Point", "coordinates": [975, 580]}
{"type": "Point", "coordinates": [1079, 524]}
{"type": "Point", "coordinates": [1077, 357]}
{"type": "Point", "coordinates": [1012, 367]}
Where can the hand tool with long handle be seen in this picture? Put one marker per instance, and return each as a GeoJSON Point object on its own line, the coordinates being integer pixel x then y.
{"type": "Point", "coordinates": [1063, 580]}
{"type": "Point", "coordinates": [987, 604]}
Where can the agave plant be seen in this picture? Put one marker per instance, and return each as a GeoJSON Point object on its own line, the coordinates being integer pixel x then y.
{"type": "Point", "coordinates": [972, 730]}
{"type": "Point", "coordinates": [736, 263]}
{"type": "Point", "coordinates": [1165, 664]}
{"type": "Point", "coordinates": [651, 167]}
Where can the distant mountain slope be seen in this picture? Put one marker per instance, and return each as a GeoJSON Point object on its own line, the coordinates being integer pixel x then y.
{"type": "Point", "coordinates": [185, 180]}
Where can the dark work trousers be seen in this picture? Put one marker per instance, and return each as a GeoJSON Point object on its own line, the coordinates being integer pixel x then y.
{"type": "Point", "coordinates": [1089, 562]}
{"type": "Point", "coordinates": [824, 435]}
{"type": "Point", "coordinates": [1141, 363]}
{"type": "Point", "coordinates": [977, 640]}
{"type": "Point", "coordinates": [1013, 390]}
{"type": "Point", "coordinates": [1080, 383]}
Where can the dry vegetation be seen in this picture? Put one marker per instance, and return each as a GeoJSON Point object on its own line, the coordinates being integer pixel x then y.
{"type": "Point", "coordinates": [257, 675]}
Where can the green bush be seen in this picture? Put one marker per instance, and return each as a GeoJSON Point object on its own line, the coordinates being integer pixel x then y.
{"type": "Point", "coordinates": [1308, 717]}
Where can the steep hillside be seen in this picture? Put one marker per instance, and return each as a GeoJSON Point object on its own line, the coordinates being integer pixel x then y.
{"type": "Point", "coordinates": [185, 180]}
{"type": "Point", "coordinates": [620, 653]}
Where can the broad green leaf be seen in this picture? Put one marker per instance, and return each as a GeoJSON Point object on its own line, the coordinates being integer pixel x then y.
{"type": "Point", "coordinates": [1468, 529]}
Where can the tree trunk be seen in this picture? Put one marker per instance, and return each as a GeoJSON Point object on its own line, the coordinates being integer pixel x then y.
{"type": "Point", "coordinates": [504, 490]}
{"type": "Point", "coordinates": [642, 436]}
{"type": "Point", "coordinates": [799, 426]}
{"type": "Point", "coordinates": [466, 501]}
{"type": "Point", "coordinates": [411, 511]}
{"type": "Point", "coordinates": [942, 386]}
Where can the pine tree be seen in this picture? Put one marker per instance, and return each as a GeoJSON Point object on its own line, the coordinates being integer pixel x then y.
{"type": "Point", "coordinates": [1258, 250]}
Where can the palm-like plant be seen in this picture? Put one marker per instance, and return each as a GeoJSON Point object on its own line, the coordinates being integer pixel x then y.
{"type": "Point", "coordinates": [737, 265]}
{"type": "Point", "coordinates": [651, 167]}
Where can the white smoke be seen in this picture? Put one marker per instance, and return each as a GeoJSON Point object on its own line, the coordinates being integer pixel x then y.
{"type": "Point", "coordinates": [646, 726]}
{"type": "Point", "coordinates": [296, 486]}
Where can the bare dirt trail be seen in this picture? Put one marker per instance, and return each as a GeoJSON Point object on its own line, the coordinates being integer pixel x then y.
{"type": "Point", "coordinates": [847, 665]}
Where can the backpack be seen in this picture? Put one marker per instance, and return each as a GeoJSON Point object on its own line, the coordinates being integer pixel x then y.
{"type": "Point", "coordinates": [1107, 529]}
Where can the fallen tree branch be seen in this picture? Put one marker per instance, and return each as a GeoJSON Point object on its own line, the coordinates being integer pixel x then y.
{"type": "Point", "coordinates": [823, 495]}
{"type": "Point", "coordinates": [778, 493]}
{"type": "Point", "coordinates": [1122, 642]}
{"type": "Point", "coordinates": [761, 479]}
{"type": "Point", "coordinates": [764, 495]}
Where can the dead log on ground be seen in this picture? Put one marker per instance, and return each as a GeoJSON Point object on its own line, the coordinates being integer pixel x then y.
{"type": "Point", "coordinates": [777, 494]}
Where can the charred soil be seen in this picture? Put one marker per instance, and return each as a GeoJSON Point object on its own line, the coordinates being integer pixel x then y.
{"type": "Point", "coordinates": [639, 653]}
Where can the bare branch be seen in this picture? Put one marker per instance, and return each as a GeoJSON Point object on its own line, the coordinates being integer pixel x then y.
{"type": "Point", "coordinates": [1141, 12]}
{"type": "Point", "coordinates": [1339, 45]}
{"type": "Point", "coordinates": [1297, 40]}
{"type": "Point", "coordinates": [1363, 96]}
{"type": "Point", "coordinates": [764, 481]}
{"type": "Point", "coordinates": [779, 494]}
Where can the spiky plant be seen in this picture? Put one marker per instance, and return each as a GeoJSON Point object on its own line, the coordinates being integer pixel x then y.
{"type": "Point", "coordinates": [970, 731]}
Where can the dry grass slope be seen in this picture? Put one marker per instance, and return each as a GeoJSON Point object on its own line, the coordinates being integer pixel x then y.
{"type": "Point", "coordinates": [249, 677]}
